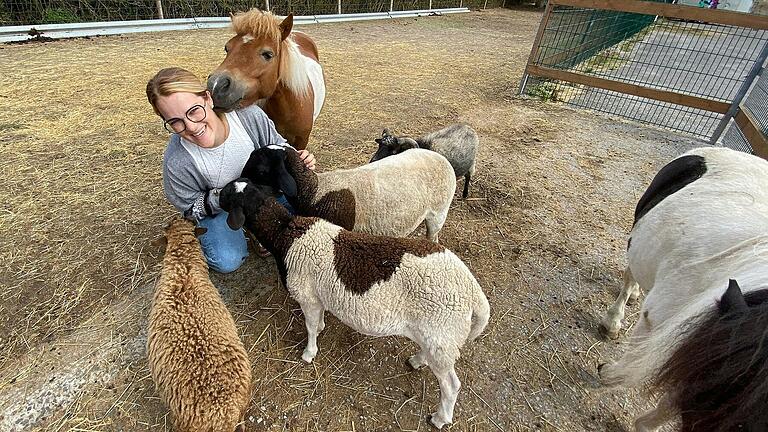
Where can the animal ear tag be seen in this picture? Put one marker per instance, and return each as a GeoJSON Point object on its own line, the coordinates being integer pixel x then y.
{"type": "Point", "coordinates": [733, 299]}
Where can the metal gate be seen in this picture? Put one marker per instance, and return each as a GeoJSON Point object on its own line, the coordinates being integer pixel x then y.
{"type": "Point", "coordinates": [680, 67]}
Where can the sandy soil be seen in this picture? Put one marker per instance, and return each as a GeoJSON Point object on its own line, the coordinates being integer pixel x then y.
{"type": "Point", "coordinates": [544, 231]}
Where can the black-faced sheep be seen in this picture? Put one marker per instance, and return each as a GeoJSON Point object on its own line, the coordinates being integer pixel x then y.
{"type": "Point", "coordinates": [377, 285]}
{"type": "Point", "coordinates": [701, 226]}
{"type": "Point", "coordinates": [390, 197]}
{"type": "Point", "coordinates": [196, 357]}
{"type": "Point", "coordinates": [458, 143]}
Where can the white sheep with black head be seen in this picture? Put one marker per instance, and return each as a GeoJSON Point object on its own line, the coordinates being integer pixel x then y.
{"type": "Point", "coordinates": [390, 197]}
{"type": "Point", "coordinates": [377, 285]}
{"type": "Point", "coordinates": [458, 143]}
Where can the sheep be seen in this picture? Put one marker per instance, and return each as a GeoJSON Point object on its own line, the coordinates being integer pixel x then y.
{"type": "Point", "coordinates": [196, 357]}
{"type": "Point", "coordinates": [377, 285]}
{"type": "Point", "coordinates": [700, 235]}
{"type": "Point", "coordinates": [390, 197]}
{"type": "Point", "coordinates": [457, 143]}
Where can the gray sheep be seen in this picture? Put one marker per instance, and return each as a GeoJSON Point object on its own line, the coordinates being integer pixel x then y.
{"type": "Point", "coordinates": [458, 143]}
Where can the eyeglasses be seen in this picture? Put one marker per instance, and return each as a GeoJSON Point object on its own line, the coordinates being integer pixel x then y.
{"type": "Point", "coordinates": [196, 114]}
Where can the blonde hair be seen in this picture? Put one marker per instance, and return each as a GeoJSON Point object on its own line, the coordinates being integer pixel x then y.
{"type": "Point", "coordinates": [173, 80]}
{"type": "Point", "coordinates": [256, 23]}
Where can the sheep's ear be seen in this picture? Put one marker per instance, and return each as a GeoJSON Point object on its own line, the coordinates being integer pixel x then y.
{"type": "Point", "coordinates": [286, 26]}
{"type": "Point", "coordinates": [236, 218]}
{"type": "Point", "coordinates": [160, 242]}
{"type": "Point", "coordinates": [733, 300]}
{"type": "Point", "coordinates": [286, 181]}
{"type": "Point", "coordinates": [200, 231]}
{"type": "Point", "coordinates": [385, 133]}
{"type": "Point", "coordinates": [379, 141]}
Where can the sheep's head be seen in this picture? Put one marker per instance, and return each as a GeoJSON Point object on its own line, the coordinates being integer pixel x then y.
{"type": "Point", "coordinates": [266, 166]}
{"type": "Point", "coordinates": [242, 196]}
{"type": "Point", "coordinates": [179, 230]}
{"type": "Point", "coordinates": [390, 145]}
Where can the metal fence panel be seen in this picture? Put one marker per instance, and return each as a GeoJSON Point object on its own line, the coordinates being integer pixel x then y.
{"type": "Point", "coordinates": [34, 12]}
{"type": "Point", "coordinates": [692, 58]}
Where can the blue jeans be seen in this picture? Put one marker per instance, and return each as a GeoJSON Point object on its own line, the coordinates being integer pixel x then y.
{"type": "Point", "coordinates": [226, 249]}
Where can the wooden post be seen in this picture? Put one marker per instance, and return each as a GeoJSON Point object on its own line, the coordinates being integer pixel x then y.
{"type": "Point", "coordinates": [159, 4]}
{"type": "Point", "coordinates": [391, 5]}
{"type": "Point", "coordinates": [485, 5]}
{"type": "Point", "coordinates": [430, 4]}
{"type": "Point", "coordinates": [267, 4]}
{"type": "Point", "coordinates": [339, 7]}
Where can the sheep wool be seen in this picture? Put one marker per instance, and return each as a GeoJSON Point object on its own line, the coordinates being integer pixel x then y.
{"type": "Point", "coordinates": [196, 357]}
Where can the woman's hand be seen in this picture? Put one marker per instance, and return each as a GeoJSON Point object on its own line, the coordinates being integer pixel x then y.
{"type": "Point", "coordinates": [308, 159]}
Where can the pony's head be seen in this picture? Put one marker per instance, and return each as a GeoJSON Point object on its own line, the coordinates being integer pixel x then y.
{"type": "Point", "coordinates": [251, 69]}
{"type": "Point", "coordinates": [717, 375]}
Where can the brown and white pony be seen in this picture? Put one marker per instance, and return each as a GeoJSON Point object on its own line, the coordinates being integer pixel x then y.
{"type": "Point", "coordinates": [269, 65]}
{"type": "Point", "coordinates": [699, 341]}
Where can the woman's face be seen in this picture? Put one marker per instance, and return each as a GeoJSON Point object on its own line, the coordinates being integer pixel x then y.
{"type": "Point", "coordinates": [182, 111]}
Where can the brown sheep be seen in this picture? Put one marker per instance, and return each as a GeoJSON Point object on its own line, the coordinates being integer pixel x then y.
{"type": "Point", "coordinates": [197, 359]}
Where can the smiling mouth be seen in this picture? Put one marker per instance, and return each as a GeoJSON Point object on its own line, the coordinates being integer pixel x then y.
{"type": "Point", "coordinates": [202, 131]}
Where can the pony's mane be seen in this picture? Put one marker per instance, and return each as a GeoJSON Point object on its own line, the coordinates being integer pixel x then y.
{"type": "Point", "coordinates": [717, 374]}
{"type": "Point", "coordinates": [292, 72]}
{"type": "Point", "coordinates": [257, 23]}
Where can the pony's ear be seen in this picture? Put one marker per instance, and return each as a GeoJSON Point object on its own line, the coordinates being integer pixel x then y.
{"type": "Point", "coordinates": [286, 26]}
{"type": "Point", "coordinates": [286, 181]}
{"type": "Point", "coordinates": [733, 299]}
{"type": "Point", "coordinates": [200, 231]}
{"type": "Point", "coordinates": [236, 218]}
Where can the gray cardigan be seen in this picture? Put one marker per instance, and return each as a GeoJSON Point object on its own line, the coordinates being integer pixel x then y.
{"type": "Point", "coordinates": [187, 188]}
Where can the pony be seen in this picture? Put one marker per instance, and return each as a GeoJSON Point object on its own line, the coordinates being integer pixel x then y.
{"type": "Point", "coordinates": [278, 69]}
{"type": "Point", "coordinates": [699, 238]}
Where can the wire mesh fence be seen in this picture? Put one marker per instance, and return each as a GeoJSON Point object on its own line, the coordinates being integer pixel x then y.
{"type": "Point", "coordinates": [756, 104]}
{"type": "Point", "coordinates": [707, 61]}
{"type": "Point", "coordinates": [23, 12]}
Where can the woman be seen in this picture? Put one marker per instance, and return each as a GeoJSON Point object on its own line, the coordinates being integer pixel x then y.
{"type": "Point", "coordinates": [206, 151]}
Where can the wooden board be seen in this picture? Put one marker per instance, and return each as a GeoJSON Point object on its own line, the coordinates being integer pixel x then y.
{"type": "Point", "coordinates": [673, 11]}
{"type": "Point", "coordinates": [633, 89]}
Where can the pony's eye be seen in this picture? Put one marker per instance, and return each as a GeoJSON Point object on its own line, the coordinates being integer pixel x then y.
{"type": "Point", "coordinates": [267, 55]}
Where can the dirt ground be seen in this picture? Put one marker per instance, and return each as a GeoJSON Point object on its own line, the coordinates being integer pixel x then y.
{"type": "Point", "coordinates": [544, 231]}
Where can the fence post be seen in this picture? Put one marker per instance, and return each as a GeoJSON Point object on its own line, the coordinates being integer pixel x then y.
{"type": "Point", "coordinates": [159, 4]}
{"type": "Point", "coordinates": [339, 7]}
{"type": "Point", "coordinates": [753, 74]}
{"type": "Point", "coordinates": [267, 4]}
{"type": "Point", "coordinates": [430, 4]}
{"type": "Point", "coordinates": [391, 5]}
{"type": "Point", "coordinates": [536, 42]}
{"type": "Point", "coordinates": [485, 5]}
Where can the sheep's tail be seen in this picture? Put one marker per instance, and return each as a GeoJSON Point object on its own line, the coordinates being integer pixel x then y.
{"type": "Point", "coordinates": [481, 312]}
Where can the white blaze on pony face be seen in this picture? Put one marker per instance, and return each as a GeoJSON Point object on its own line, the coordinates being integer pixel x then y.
{"type": "Point", "coordinates": [247, 38]}
{"type": "Point", "coordinates": [240, 186]}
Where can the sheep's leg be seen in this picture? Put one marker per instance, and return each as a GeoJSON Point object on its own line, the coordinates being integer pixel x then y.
{"type": "Point", "coordinates": [449, 392]}
{"type": "Point", "coordinates": [434, 222]}
{"type": "Point", "coordinates": [441, 361]}
{"type": "Point", "coordinates": [418, 360]}
{"type": "Point", "coordinates": [657, 417]}
{"type": "Point", "coordinates": [467, 179]}
{"type": "Point", "coordinates": [611, 323]}
{"type": "Point", "coordinates": [313, 313]}
{"type": "Point", "coordinates": [321, 324]}
{"type": "Point", "coordinates": [634, 295]}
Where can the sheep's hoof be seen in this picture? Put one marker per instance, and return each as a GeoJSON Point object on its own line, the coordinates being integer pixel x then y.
{"type": "Point", "coordinates": [412, 366]}
{"type": "Point", "coordinates": [433, 420]}
{"type": "Point", "coordinates": [308, 356]}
